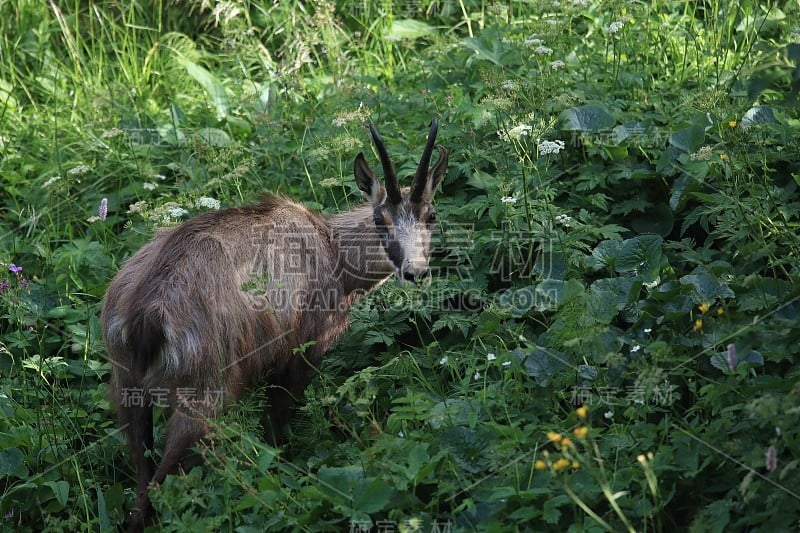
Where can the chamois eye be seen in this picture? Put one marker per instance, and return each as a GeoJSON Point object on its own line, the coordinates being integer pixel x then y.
{"type": "Point", "coordinates": [378, 219]}
{"type": "Point", "coordinates": [431, 217]}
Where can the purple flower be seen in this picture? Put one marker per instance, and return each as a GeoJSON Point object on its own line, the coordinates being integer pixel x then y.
{"type": "Point", "coordinates": [103, 211]}
{"type": "Point", "coordinates": [14, 269]}
{"type": "Point", "coordinates": [772, 458]}
{"type": "Point", "coordinates": [732, 362]}
{"type": "Point", "coordinates": [10, 514]}
{"type": "Point", "coordinates": [4, 286]}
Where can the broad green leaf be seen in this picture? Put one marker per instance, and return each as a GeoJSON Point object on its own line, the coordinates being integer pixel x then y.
{"type": "Point", "coordinates": [639, 255]}
{"type": "Point", "coordinates": [707, 287]}
{"type": "Point", "coordinates": [12, 463]}
{"type": "Point", "coordinates": [688, 139]}
{"type": "Point", "coordinates": [587, 118]}
{"type": "Point", "coordinates": [606, 253]}
{"type": "Point", "coordinates": [372, 496]}
{"type": "Point", "coordinates": [215, 137]}
{"type": "Point", "coordinates": [60, 490]}
{"type": "Point", "coordinates": [409, 29]}
{"type": "Point", "coordinates": [658, 219]}
{"type": "Point", "coordinates": [758, 115]}
{"type": "Point", "coordinates": [210, 83]}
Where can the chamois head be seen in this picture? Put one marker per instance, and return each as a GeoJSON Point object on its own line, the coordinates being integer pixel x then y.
{"type": "Point", "coordinates": [404, 218]}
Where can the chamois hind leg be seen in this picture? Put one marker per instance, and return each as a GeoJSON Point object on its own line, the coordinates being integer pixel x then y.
{"type": "Point", "coordinates": [137, 423]}
{"type": "Point", "coordinates": [282, 395]}
{"type": "Point", "coordinates": [186, 427]}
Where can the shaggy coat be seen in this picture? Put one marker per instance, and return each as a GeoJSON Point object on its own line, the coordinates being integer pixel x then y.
{"type": "Point", "coordinates": [247, 296]}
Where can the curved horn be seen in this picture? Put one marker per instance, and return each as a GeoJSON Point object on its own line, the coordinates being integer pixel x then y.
{"type": "Point", "coordinates": [392, 189]}
{"type": "Point", "coordinates": [421, 176]}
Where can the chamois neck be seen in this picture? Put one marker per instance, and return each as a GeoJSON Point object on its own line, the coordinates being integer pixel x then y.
{"type": "Point", "coordinates": [362, 261]}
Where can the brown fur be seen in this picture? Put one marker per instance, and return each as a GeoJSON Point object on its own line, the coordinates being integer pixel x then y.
{"type": "Point", "coordinates": [216, 305]}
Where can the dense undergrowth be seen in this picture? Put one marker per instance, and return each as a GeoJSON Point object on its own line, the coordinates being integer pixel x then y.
{"type": "Point", "coordinates": [611, 338]}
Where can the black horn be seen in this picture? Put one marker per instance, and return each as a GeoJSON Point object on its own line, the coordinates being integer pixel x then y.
{"type": "Point", "coordinates": [421, 176]}
{"type": "Point", "coordinates": [392, 188]}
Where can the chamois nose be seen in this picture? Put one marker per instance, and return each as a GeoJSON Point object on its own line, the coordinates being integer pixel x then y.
{"type": "Point", "coordinates": [418, 276]}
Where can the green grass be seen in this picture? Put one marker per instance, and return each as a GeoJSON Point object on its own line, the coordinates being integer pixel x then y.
{"type": "Point", "coordinates": [620, 271]}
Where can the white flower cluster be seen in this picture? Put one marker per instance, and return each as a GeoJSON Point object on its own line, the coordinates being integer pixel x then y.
{"type": "Point", "coordinates": [80, 169]}
{"type": "Point", "coordinates": [551, 147]}
{"type": "Point", "coordinates": [557, 64]}
{"type": "Point", "coordinates": [564, 220]}
{"type": "Point", "coordinates": [51, 181]}
{"type": "Point", "coordinates": [543, 50]}
{"type": "Point", "coordinates": [515, 133]}
{"type": "Point", "coordinates": [614, 27]}
{"type": "Point", "coordinates": [508, 200]}
{"type": "Point", "coordinates": [210, 203]}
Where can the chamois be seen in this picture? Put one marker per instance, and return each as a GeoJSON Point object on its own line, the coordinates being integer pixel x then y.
{"type": "Point", "coordinates": [217, 305]}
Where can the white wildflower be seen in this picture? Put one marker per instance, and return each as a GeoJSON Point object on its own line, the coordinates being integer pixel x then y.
{"type": "Point", "coordinates": [506, 363]}
{"type": "Point", "coordinates": [614, 27]}
{"type": "Point", "coordinates": [533, 42]}
{"type": "Point", "coordinates": [477, 376]}
{"type": "Point", "coordinates": [80, 169]}
{"type": "Point", "coordinates": [161, 177]}
{"type": "Point", "coordinates": [339, 122]}
{"type": "Point", "coordinates": [92, 219]}
{"type": "Point", "coordinates": [490, 357]}
{"type": "Point", "coordinates": [515, 133]}
{"type": "Point", "coordinates": [795, 35]}
{"type": "Point", "coordinates": [149, 186]}
{"type": "Point", "coordinates": [138, 207]}
{"type": "Point", "coordinates": [508, 200]}
{"type": "Point", "coordinates": [580, 3]}
{"type": "Point", "coordinates": [210, 203]}
{"type": "Point", "coordinates": [564, 220]}
{"type": "Point", "coordinates": [647, 330]}
{"type": "Point", "coordinates": [551, 147]}
{"type": "Point", "coordinates": [51, 181]}
{"type": "Point", "coordinates": [557, 64]}
{"type": "Point", "coordinates": [506, 40]}
{"type": "Point", "coordinates": [176, 212]}
{"type": "Point", "coordinates": [636, 348]}
{"type": "Point", "coordinates": [443, 361]}
{"type": "Point", "coordinates": [110, 134]}
{"type": "Point", "coordinates": [508, 85]}
{"type": "Point", "coordinates": [703, 154]}
{"type": "Point", "coordinates": [609, 414]}
{"type": "Point", "coordinates": [543, 50]}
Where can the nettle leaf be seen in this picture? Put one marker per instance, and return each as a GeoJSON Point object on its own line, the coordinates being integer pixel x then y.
{"type": "Point", "coordinates": [589, 118]}
{"type": "Point", "coordinates": [688, 139]}
{"type": "Point", "coordinates": [468, 447]}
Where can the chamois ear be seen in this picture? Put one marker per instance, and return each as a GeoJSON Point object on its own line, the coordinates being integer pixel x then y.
{"type": "Point", "coordinates": [366, 180]}
{"type": "Point", "coordinates": [437, 173]}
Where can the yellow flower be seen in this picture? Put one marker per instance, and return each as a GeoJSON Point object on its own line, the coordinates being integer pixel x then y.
{"type": "Point", "coordinates": [641, 458]}
{"type": "Point", "coordinates": [580, 431]}
{"type": "Point", "coordinates": [540, 465]}
{"type": "Point", "coordinates": [698, 324]}
{"type": "Point", "coordinates": [732, 123]}
{"type": "Point", "coordinates": [704, 308]}
{"type": "Point", "coordinates": [552, 436]}
{"type": "Point", "coordinates": [560, 464]}
{"type": "Point", "coordinates": [566, 443]}
{"type": "Point", "coordinates": [723, 157]}
{"type": "Point", "coordinates": [720, 310]}
{"type": "Point", "coordinates": [581, 412]}
{"type": "Point", "coordinates": [575, 464]}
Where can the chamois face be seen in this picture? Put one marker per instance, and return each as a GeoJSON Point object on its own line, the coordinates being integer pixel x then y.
{"type": "Point", "coordinates": [404, 219]}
